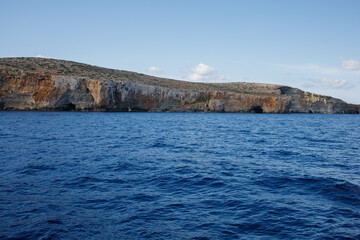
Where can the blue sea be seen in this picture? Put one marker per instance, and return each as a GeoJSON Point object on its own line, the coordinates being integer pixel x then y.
{"type": "Point", "coordinates": [69, 175]}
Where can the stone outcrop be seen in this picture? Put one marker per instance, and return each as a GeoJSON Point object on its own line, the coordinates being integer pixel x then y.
{"type": "Point", "coordinates": [48, 84]}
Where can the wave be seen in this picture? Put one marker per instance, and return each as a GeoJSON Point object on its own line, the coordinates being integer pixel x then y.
{"type": "Point", "coordinates": [331, 188]}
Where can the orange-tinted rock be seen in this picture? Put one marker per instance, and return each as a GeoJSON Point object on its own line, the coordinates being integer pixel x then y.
{"type": "Point", "coordinates": [38, 91]}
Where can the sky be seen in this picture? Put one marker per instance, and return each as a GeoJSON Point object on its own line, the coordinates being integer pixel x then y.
{"type": "Point", "coordinates": [313, 45]}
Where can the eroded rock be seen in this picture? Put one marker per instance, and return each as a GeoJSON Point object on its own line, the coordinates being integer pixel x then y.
{"type": "Point", "coordinates": [24, 89]}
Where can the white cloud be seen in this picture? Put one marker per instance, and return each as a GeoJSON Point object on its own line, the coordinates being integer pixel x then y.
{"type": "Point", "coordinates": [204, 73]}
{"type": "Point", "coordinates": [154, 69]}
{"type": "Point", "coordinates": [316, 71]}
{"type": "Point", "coordinates": [311, 68]}
{"type": "Point", "coordinates": [332, 83]}
{"type": "Point", "coordinates": [350, 64]}
{"type": "Point", "coordinates": [346, 65]}
{"type": "Point", "coordinates": [40, 56]}
{"type": "Point", "coordinates": [197, 77]}
{"type": "Point", "coordinates": [202, 69]}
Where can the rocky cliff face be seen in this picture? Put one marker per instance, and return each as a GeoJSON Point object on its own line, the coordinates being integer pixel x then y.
{"type": "Point", "coordinates": [24, 85]}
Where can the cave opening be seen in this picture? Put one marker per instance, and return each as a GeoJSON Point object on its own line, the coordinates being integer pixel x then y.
{"type": "Point", "coordinates": [256, 109]}
{"type": "Point", "coordinates": [69, 107]}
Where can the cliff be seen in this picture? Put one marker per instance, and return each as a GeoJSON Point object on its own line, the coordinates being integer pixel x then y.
{"type": "Point", "coordinates": [49, 84]}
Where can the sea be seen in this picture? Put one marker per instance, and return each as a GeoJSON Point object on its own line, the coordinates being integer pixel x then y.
{"type": "Point", "coordinates": [71, 175]}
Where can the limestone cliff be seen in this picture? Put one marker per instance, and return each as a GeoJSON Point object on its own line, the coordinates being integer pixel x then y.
{"type": "Point", "coordinates": [49, 84]}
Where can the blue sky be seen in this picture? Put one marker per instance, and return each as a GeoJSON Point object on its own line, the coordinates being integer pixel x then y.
{"type": "Point", "coordinates": [312, 45]}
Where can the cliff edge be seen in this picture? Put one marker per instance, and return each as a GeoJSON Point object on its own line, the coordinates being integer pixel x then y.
{"type": "Point", "coordinates": [49, 85]}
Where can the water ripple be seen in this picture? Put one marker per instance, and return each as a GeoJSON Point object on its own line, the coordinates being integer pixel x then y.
{"type": "Point", "coordinates": [179, 176]}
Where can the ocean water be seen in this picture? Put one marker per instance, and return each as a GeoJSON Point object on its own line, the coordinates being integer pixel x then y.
{"type": "Point", "coordinates": [68, 175]}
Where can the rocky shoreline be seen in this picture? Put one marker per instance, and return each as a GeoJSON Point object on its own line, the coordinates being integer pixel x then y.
{"type": "Point", "coordinates": [55, 85]}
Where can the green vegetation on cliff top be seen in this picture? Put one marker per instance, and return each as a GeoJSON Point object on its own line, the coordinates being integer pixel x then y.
{"type": "Point", "coordinates": [69, 68]}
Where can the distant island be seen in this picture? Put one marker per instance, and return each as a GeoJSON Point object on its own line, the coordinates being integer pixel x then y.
{"type": "Point", "coordinates": [56, 85]}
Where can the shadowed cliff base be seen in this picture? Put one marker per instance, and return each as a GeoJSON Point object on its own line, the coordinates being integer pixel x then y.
{"type": "Point", "coordinates": [57, 85]}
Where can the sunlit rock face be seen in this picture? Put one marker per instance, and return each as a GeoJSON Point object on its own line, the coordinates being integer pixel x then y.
{"type": "Point", "coordinates": [38, 84]}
